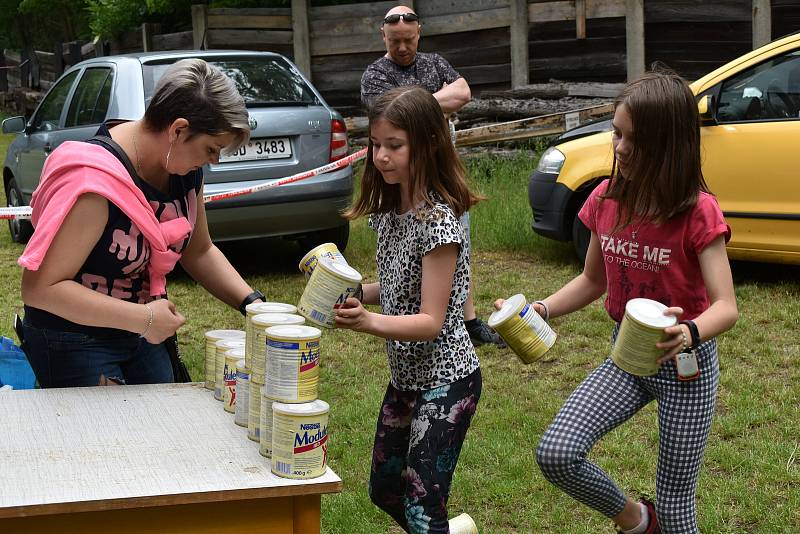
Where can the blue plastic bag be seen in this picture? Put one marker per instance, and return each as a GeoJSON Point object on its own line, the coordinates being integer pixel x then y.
{"type": "Point", "coordinates": [14, 367]}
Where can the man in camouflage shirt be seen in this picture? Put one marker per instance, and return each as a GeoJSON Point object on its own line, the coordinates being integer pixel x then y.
{"type": "Point", "coordinates": [403, 65]}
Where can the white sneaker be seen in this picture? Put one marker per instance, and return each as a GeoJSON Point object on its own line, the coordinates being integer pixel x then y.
{"type": "Point", "coordinates": [462, 524]}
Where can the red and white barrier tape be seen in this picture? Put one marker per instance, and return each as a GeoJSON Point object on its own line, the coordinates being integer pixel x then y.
{"type": "Point", "coordinates": [24, 212]}
{"type": "Point", "coordinates": [355, 156]}
{"type": "Point", "coordinates": [15, 212]}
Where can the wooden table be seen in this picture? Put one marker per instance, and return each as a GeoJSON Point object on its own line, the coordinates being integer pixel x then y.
{"type": "Point", "coordinates": [157, 459]}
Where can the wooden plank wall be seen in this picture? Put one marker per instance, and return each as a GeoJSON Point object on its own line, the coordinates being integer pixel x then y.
{"type": "Point", "coordinates": [473, 35]}
{"type": "Point", "coordinates": [694, 37]}
{"type": "Point", "coordinates": [785, 17]}
{"type": "Point", "coordinates": [173, 41]}
{"type": "Point", "coordinates": [267, 29]}
{"type": "Point", "coordinates": [556, 51]}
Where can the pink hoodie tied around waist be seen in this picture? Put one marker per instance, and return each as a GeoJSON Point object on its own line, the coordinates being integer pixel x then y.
{"type": "Point", "coordinates": [75, 168]}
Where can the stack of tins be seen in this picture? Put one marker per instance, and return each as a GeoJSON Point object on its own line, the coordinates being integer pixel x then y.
{"type": "Point", "coordinates": [223, 346]}
{"type": "Point", "coordinates": [212, 336]}
{"type": "Point", "coordinates": [298, 441]}
{"type": "Point", "coordinates": [232, 359]}
{"type": "Point", "coordinates": [259, 324]}
{"type": "Point", "coordinates": [292, 376]}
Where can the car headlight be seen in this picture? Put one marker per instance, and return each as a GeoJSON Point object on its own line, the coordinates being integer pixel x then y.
{"type": "Point", "coordinates": [551, 161]}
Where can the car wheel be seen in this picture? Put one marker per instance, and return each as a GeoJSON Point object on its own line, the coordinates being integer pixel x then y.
{"type": "Point", "coordinates": [580, 238]}
{"type": "Point", "coordinates": [21, 229]}
{"type": "Point", "coordinates": [338, 236]}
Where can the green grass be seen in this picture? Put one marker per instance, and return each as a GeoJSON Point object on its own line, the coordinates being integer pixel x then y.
{"type": "Point", "coordinates": [751, 474]}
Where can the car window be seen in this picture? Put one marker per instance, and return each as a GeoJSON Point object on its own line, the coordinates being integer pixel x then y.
{"type": "Point", "coordinates": [49, 112]}
{"type": "Point", "coordinates": [768, 91]}
{"type": "Point", "coordinates": [90, 100]}
{"type": "Point", "coordinates": [260, 80]}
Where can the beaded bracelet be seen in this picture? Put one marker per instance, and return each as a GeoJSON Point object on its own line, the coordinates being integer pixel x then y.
{"type": "Point", "coordinates": [149, 320]}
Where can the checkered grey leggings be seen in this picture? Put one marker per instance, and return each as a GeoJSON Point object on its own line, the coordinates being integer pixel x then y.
{"type": "Point", "coordinates": [607, 398]}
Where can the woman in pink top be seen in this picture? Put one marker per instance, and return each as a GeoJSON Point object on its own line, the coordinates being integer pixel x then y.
{"type": "Point", "coordinates": [657, 233]}
{"type": "Point", "coordinates": [112, 217]}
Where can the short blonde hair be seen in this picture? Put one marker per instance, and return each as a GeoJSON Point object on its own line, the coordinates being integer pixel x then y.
{"type": "Point", "coordinates": [203, 95]}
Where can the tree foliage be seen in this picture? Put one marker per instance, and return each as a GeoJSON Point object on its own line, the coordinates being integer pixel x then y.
{"type": "Point", "coordinates": [111, 18]}
{"type": "Point", "coordinates": [41, 23]}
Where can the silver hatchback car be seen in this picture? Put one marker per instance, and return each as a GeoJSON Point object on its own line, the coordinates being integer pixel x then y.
{"type": "Point", "coordinates": [293, 130]}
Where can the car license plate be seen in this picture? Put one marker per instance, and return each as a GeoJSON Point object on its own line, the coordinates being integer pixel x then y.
{"type": "Point", "coordinates": [255, 149]}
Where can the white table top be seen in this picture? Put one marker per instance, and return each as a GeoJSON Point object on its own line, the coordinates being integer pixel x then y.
{"type": "Point", "coordinates": [100, 448]}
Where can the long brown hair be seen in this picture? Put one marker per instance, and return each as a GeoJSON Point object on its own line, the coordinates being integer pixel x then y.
{"type": "Point", "coordinates": [663, 177]}
{"type": "Point", "coordinates": [434, 166]}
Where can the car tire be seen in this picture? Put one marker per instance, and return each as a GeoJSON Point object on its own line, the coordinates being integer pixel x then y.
{"type": "Point", "coordinates": [580, 238]}
{"type": "Point", "coordinates": [339, 236]}
{"type": "Point", "coordinates": [21, 229]}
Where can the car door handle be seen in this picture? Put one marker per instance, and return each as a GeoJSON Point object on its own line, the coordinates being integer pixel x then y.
{"type": "Point", "coordinates": [48, 148]}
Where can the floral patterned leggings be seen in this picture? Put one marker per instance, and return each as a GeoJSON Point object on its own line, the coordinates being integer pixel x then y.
{"type": "Point", "coordinates": [417, 443]}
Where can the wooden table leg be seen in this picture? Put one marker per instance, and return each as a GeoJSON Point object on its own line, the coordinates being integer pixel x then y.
{"type": "Point", "coordinates": [306, 514]}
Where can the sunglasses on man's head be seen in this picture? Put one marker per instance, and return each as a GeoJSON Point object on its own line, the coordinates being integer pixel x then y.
{"type": "Point", "coordinates": [395, 18]}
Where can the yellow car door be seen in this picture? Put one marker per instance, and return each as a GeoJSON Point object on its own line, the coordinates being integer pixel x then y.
{"type": "Point", "coordinates": [751, 159]}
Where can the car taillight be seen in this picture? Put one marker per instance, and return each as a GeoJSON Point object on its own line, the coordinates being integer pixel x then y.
{"type": "Point", "coordinates": [339, 146]}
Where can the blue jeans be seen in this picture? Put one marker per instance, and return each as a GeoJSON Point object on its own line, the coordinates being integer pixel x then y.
{"type": "Point", "coordinates": [70, 359]}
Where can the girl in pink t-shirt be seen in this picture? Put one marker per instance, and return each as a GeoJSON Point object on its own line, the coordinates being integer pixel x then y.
{"type": "Point", "coordinates": [656, 233]}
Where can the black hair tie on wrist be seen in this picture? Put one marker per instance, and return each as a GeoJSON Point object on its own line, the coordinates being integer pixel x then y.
{"type": "Point", "coordinates": [249, 299]}
{"type": "Point", "coordinates": [695, 333]}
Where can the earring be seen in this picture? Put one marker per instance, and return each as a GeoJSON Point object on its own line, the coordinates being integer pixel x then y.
{"type": "Point", "coordinates": [169, 152]}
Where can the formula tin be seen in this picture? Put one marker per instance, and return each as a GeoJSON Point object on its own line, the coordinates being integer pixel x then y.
{"type": "Point", "coordinates": [327, 289]}
{"type": "Point", "coordinates": [223, 345]}
{"type": "Point", "coordinates": [255, 308]}
{"type": "Point", "coordinates": [293, 353]}
{"type": "Point", "coordinates": [212, 336]}
{"type": "Point", "coordinates": [325, 250]}
{"type": "Point", "coordinates": [242, 394]}
{"type": "Point", "coordinates": [300, 439]}
{"type": "Point", "coordinates": [528, 335]}
{"type": "Point", "coordinates": [641, 328]}
{"type": "Point", "coordinates": [266, 424]}
{"type": "Point", "coordinates": [260, 323]}
{"type": "Point", "coordinates": [232, 357]}
{"type": "Point", "coordinates": [254, 411]}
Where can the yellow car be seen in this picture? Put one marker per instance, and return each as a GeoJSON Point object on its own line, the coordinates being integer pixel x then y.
{"type": "Point", "coordinates": [750, 112]}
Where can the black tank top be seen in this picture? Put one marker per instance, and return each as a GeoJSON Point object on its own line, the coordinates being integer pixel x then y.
{"type": "Point", "coordinates": [117, 265]}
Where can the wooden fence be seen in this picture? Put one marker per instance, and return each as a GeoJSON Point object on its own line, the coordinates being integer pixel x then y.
{"type": "Point", "coordinates": [494, 44]}
{"type": "Point", "coordinates": [497, 44]}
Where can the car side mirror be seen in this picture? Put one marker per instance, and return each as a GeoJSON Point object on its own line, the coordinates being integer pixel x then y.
{"type": "Point", "coordinates": [14, 125]}
{"type": "Point", "coordinates": [705, 108]}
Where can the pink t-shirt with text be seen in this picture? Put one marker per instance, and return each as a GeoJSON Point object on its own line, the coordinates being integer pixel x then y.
{"type": "Point", "coordinates": [658, 262]}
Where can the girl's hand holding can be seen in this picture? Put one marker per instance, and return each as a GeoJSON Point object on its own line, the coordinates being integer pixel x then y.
{"type": "Point", "coordinates": [353, 316]}
{"type": "Point", "coordinates": [163, 320]}
{"type": "Point", "coordinates": [679, 337]}
{"type": "Point", "coordinates": [538, 306]}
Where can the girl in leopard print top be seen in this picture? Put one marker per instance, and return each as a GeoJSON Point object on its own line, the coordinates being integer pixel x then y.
{"type": "Point", "coordinates": [413, 190]}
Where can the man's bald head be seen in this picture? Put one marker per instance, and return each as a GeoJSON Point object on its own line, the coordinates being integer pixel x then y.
{"type": "Point", "coordinates": [397, 10]}
{"type": "Point", "coordinates": [401, 37]}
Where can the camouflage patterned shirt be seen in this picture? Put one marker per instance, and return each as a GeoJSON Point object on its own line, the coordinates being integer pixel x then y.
{"type": "Point", "coordinates": [431, 71]}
